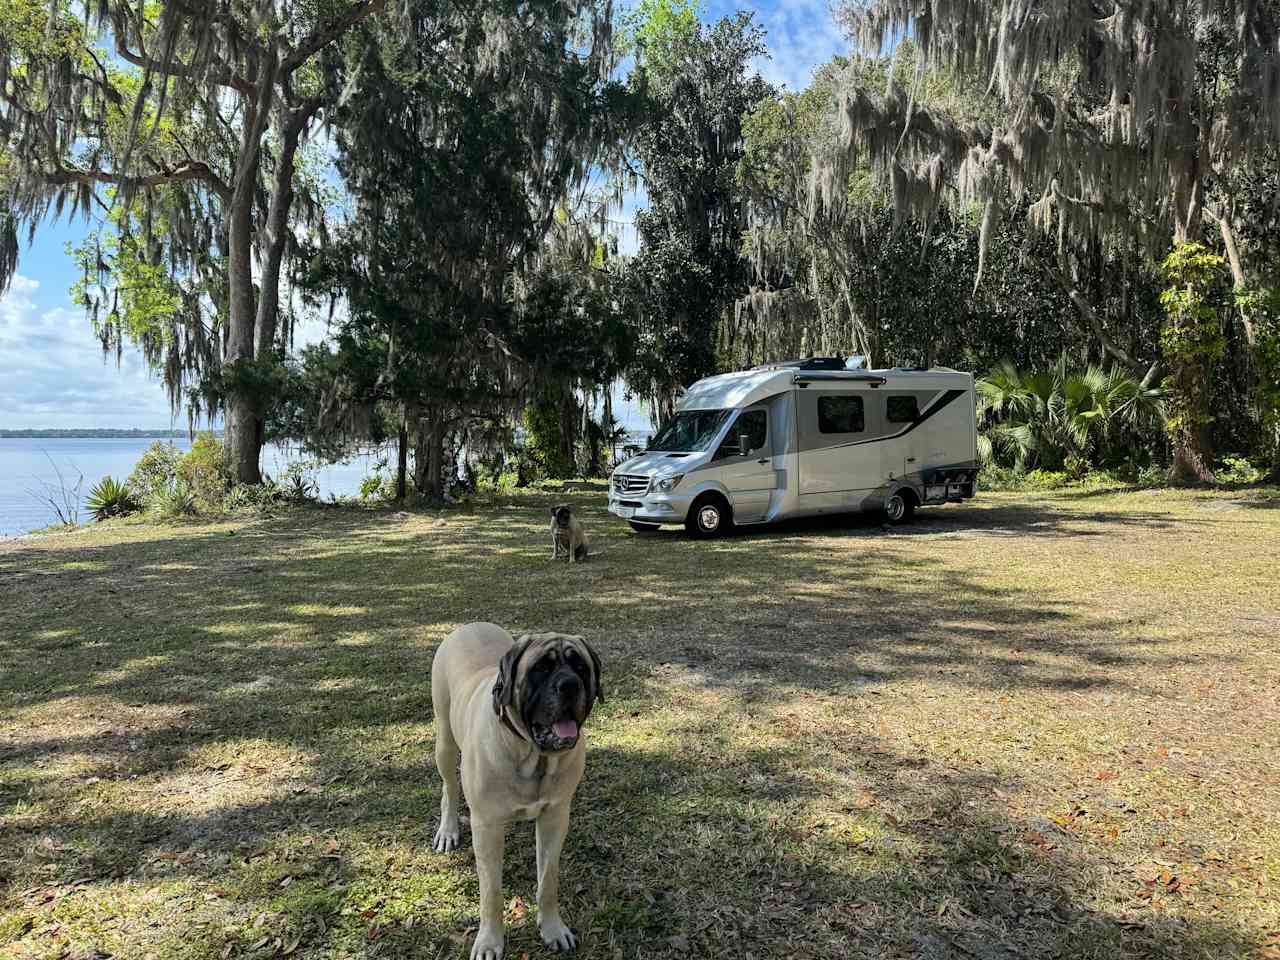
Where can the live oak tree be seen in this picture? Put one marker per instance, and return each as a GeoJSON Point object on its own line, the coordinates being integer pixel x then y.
{"type": "Point", "coordinates": [698, 85]}
{"type": "Point", "coordinates": [1123, 123]}
{"type": "Point", "coordinates": [853, 274]}
{"type": "Point", "coordinates": [836, 274]}
{"type": "Point", "coordinates": [459, 143]}
{"type": "Point", "coordinates": [182, 123]}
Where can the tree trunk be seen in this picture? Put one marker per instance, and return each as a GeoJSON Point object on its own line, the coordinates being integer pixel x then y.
{"type": "Point", "coordinates": [244, 415]}
{"type": "Point", "coordinates": [569, 433]}
{"type": "Point", "coordinates": [402, 464]}
{"type": "Point", "coordinates": [276, 231]}
{"type": "Point", "coordinates": [608, 425]}
{"type": "Point", "coordinates": [1192, 455]}
{"type": "Point", "coordinates": [244, 448]}
{"type": "Point", "coordinates": [428, 454]}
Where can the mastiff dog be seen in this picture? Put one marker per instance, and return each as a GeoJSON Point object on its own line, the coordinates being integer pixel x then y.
{"type": "Point", "coordinates": [513, 712]}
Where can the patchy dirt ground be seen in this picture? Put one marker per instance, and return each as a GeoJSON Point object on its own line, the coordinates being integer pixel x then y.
{"type": "Point", "coordinates": [1025, 727]}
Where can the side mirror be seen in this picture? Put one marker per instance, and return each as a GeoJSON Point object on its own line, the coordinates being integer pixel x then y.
{"type": "Point", "coordinates": [744, 445]}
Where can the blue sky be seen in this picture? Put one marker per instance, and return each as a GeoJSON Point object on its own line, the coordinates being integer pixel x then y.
{"type": "Point", "coordinates": [53, 373]}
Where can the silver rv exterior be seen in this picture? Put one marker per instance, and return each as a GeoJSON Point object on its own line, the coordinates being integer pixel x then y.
{"type": "Point", "coordinates": [804, 438]}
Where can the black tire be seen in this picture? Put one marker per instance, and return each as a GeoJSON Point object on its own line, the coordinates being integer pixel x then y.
{"type": "Point", "coordinates": [900, 507]}
{"type": "Point", "coordinates": [710, 516]}
{"type": "Point", "coordinates": [641, 527]}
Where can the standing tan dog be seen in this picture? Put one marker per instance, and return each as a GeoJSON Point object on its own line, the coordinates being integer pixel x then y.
{"type": "Point", "coordinates": [514, 710]}
{"type": "Point", "coordinates": [567, 534]}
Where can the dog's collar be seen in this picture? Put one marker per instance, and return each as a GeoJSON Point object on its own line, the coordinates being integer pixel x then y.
{"type": "Point", "coordinates": [506, 722]}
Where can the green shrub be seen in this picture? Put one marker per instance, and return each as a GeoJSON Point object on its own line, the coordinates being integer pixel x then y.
{"type": "Point", "coordinates": [298, 483]}
{"type": "Point", "coordinates": [1238, 471]}
{"type": "Point", "coordinates": [111, 498]}
{"type": "Point", "coordinates": [381, 484]}
{"type": "Point", "coordinates": [1010, 479]}
{"type": "Point", "coordinates": [374, 486]}
{"type": "Point", "coordinates": [156, 468]}
{"type": "Point", "coordinates": [174, 501]}
{"type": "Point", "coordinates": [204, 472]}
{"type": "Point", "coordinates": [542, 446]}
{"type": "Point", "coordinates": [258, 496]}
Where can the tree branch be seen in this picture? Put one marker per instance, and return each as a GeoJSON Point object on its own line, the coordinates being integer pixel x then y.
{"type": "Point", "coordinates": [1237, 273]}
{"type": "Point", "coordinates": [1090, 316]}
{"type": "Point", "coordinates": [223, 78]}
{"type": "Point", "coordinates": [195, 170]}
{"type": "Point", "coordinates": [322, 38]}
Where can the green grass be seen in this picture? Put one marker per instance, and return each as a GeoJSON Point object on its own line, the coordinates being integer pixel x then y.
{"type": "Point", "coordinates": [1026, 727]}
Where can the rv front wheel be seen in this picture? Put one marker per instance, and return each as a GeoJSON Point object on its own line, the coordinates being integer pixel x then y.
{"type": "Point", "coordinates": [899, 508]}
{"type": "Point", "coordinates": [709, 517]}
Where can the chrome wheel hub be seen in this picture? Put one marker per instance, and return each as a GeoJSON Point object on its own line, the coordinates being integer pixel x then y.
{"type": "Point", "coordinates": [709, 518]}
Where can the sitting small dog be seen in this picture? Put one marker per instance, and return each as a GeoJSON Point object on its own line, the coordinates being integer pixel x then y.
{"type": "Point", "coordinates": [567, 535]}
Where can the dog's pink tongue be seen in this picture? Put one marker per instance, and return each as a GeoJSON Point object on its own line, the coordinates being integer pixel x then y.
{"type": "Point", "coordinates": [565, 729]}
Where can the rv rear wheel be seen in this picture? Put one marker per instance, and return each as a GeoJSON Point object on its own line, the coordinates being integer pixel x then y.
{"type": "Point", "coordinates": [709, 516]}
{"type": "Point", "coordinates": [639, 527]}
{"type": "Point", "coordinates": [900, 507]}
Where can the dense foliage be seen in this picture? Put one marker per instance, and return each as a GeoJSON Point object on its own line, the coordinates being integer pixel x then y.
{"type": "Point", "coordinates": [1087, 213]}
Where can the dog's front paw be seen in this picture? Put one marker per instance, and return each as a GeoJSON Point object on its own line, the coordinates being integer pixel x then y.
{"type": "Point", "coordinates": [488, 945]}
{"type": "Point", "coordinates": [557, 936]}
{"type": "Point", "coordinates": [448, 837]}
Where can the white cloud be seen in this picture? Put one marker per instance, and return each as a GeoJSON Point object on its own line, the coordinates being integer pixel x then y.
{"type": "Point", "coordinates": [802, 35]}
{"type": "Point", "coordinates": [53, 373]}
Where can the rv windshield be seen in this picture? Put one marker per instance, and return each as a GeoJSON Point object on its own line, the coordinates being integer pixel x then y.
{"type": "Point", "coordinates": [689, 431]}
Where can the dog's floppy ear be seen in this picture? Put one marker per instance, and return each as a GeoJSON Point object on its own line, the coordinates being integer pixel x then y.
{"type": "Point", "coordinates": [504, 688]}
{"type": "Point", "coordinates": [595, 667]}
{"type": "Point", "coordinates": [553, 510]}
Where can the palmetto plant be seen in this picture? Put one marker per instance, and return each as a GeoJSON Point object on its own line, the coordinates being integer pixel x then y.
{"type": "Point", "coordinates": [111, 498]}
{"type": "Point", "coordinates": [1044, 417]}
{"type": "Point", "coordinates": [173, 501]}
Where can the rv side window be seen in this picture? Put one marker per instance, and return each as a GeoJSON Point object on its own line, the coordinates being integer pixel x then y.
{"type": "Point", "coordinates": [903, 410]}
{"type": "Point", "coordinates": [755, 424]}
{"type": "Point", "coordinates": [840, 413]}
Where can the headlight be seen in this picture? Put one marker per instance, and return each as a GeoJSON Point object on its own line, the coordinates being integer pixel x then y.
{"type": "Point", "coordinates": [669, 483]}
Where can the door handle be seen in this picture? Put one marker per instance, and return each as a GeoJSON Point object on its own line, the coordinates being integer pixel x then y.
{"type": "Point", "coordinates": [764, 460]}
{"type": "Point", "coordinates": [911, 459]}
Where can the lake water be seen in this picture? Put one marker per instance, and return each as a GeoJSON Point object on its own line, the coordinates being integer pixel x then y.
{"type": "Point", "coordinates": [25, 470]}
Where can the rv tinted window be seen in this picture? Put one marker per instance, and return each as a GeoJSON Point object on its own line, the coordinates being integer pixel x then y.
{"type": "Point", "coordinates": [840, 414]}
{"type": "Point", "coordinates": [903, 409]}
{"type": "Point", "coordinates": [755, 424]}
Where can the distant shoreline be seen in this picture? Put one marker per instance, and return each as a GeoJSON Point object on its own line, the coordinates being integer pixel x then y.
{"type": "Point", "coordinates": [69, 434]}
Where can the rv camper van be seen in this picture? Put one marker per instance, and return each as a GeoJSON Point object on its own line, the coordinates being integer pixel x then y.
{"type": "Point", "coordinates": [802, 438]}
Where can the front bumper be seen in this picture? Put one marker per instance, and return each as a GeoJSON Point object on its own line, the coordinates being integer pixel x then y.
{"type": "Point", "coordinates": [649, 507]}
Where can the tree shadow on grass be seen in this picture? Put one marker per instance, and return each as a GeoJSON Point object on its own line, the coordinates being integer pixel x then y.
{"type": "Point", "coordinates": [762, 860]}
{"type": "Point", "coordinates": [317, 609]}
{"type": "Point", "coordinates": [194, 708]}
{"type": "Point", "coordinates": [677, 850]}
{"type": "Point", "coordinates": [337, 616]}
